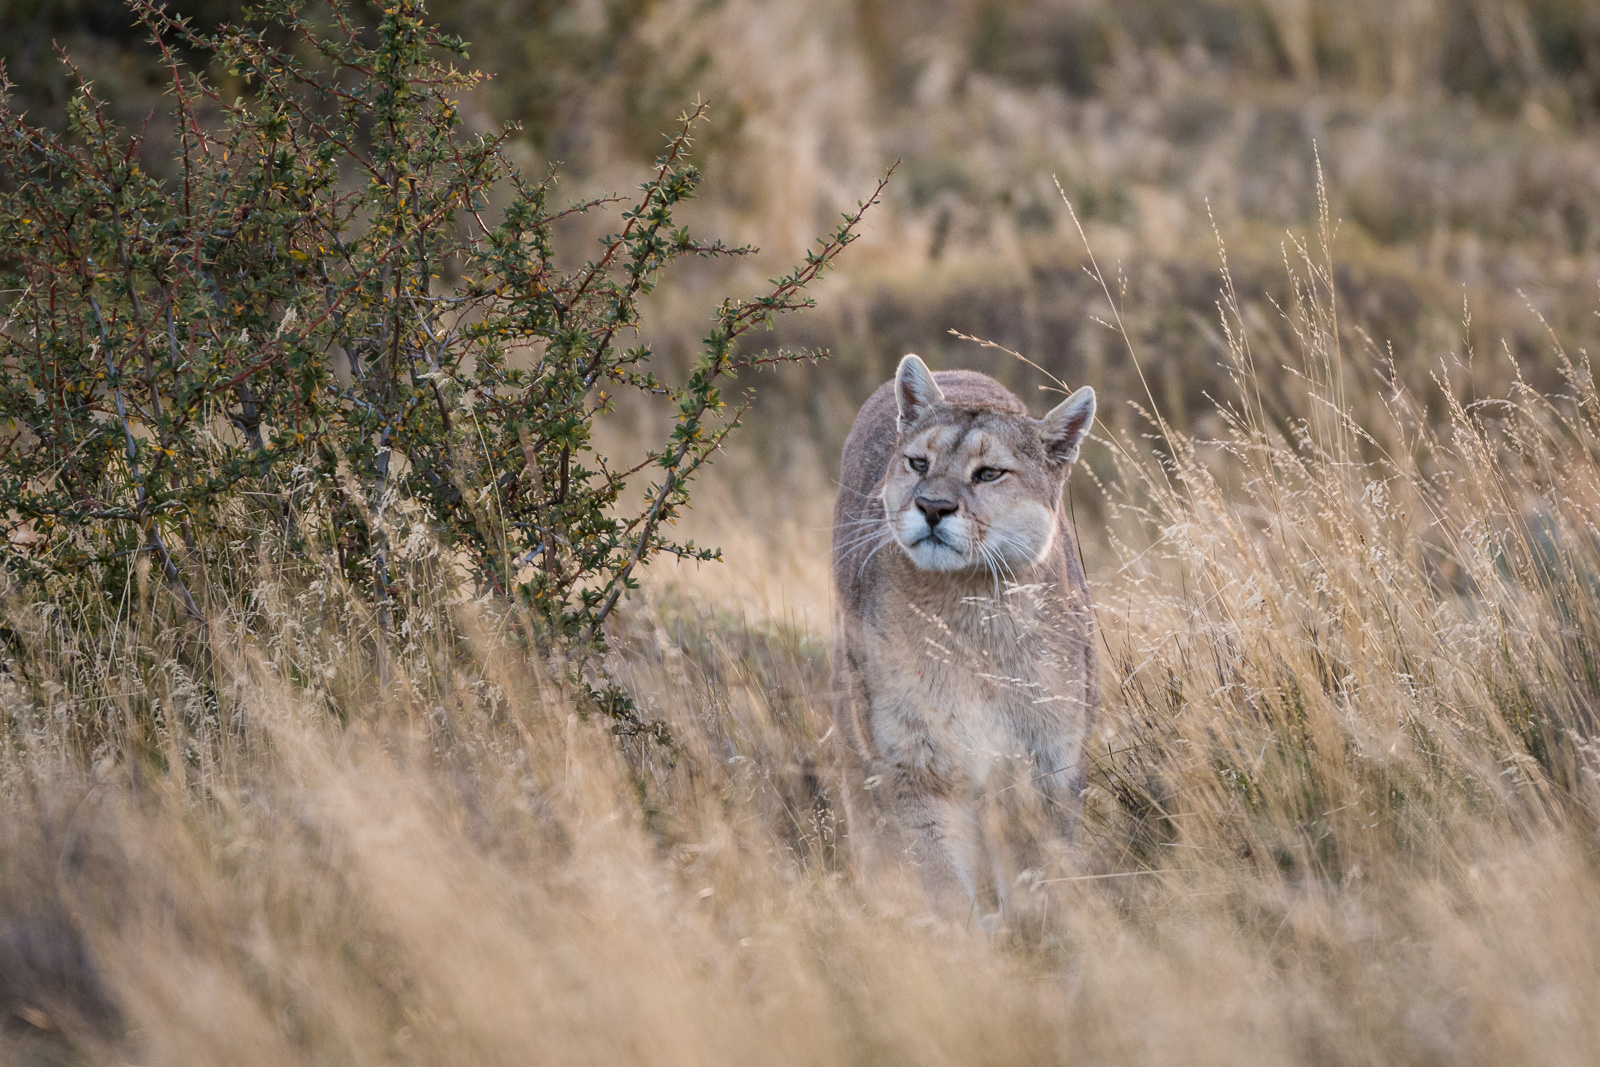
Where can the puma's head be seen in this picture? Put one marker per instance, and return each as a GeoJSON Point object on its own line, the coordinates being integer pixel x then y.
{"type": "Point", "coordinates": [976, 487]}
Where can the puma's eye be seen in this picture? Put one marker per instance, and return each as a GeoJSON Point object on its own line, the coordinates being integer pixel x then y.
{"type": "Point", "coordinates": [987, 474]}
{"type": "Point", "coordinates": [917, 463]}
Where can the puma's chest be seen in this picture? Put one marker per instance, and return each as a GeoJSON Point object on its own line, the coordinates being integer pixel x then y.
{"type": "Point", "coordinates": [972, 680]}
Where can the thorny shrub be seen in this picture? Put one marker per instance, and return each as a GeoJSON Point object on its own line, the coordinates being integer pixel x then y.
{"type": "Point", "coordinates": [313, 324]}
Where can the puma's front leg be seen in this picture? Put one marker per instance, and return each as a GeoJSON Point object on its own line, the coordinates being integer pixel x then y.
{"type": "Point", "coordinates": [945, 841]}
{"type": "Point", "coordinates": [1059, 774]}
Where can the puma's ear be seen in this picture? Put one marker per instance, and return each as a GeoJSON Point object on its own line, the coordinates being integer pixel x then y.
{"type": "Point", "coordinates": [915, 391]}
{"type": "Point", "coordinates": [1066, 425]}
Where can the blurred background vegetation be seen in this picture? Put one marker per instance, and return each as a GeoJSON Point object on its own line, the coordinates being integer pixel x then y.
{"type": "Point", "coordinates": [1456, 138]}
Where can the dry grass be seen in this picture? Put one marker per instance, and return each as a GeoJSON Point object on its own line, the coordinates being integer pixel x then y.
{"type": "Point", "coordinates": [1343, 808]}
{"type": "Point", "coordinates": [1344, 805]}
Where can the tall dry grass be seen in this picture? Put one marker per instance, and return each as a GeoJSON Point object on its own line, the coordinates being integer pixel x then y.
{"type": "Point", "coordinates": [1343, 803]}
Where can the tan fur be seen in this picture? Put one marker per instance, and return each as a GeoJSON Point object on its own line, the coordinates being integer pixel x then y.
{"type": "Point", "coordinates": [964, 646]}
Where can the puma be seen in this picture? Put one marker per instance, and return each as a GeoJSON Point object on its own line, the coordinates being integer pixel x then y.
{"type": "Point", "coordinates": [964, 653]}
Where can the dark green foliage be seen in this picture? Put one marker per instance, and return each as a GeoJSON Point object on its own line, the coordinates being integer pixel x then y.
{"type": "Point", "coordinates": [316, 326]}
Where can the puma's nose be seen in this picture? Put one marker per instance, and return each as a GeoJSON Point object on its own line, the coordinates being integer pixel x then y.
{"type": "Point", "coordinates": [934, 510]}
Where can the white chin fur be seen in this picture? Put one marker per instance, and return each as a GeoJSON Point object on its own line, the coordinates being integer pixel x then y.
{"type": "Point", "coordinates": [937, 557]}
{"type": "Point", "coordinates": [1025, 541]}
{"type": "Point", "coordinates": [950, 552]}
